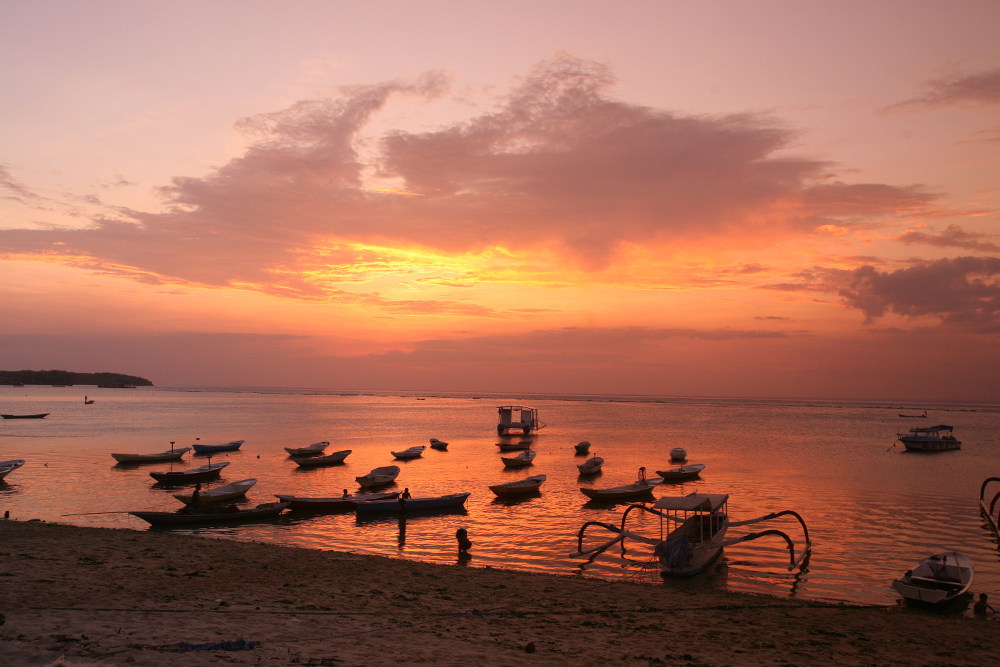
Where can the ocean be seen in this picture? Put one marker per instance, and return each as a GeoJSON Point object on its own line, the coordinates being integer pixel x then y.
{"type": "Point", "coordinates": [872, 509]}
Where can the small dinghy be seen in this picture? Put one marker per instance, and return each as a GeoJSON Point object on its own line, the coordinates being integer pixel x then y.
{"type": "Point", "coordinates": [937, 579]}
{"type": "Point", "coordinates": [591, 466]}
{"type": "Point", "coordinates": [523, 487]}
{"type": "Point", "coordinates": [182, 518]}
{"type": "Point", "coordinates": [382, 476]}
{"type": "Point", "coordinates": [7, 467]}
{"type": "Point", "coordinates": [411, 453]}
{"type": "Point", "coordinates": [637, 489]}
{"type": "Point", "coordinates": [219, 494]}
{"type": "Point", "coordinates": [157, 457]}
{"type": "Point", "coordinates": [450, 501]}
{"type": "Point", "coordinates": [230, 446]}
{"type": "Point", "coordinates": [678, 454]}
{"type": "Point", "coordinates": [514, 446]}
{"type": "Point", "coordinates": [40, 415]}
{"type": "Point", "coordinates": [333, 503]}
{"type": "Point", "coordinates": [314, 449]}
{"type": "Point", "coordinates": [319, 461]}
{"type": "Point", "coordinates": [582, 448]}
{"type": "Point", "coordinates": [439, 445]}
{"type": "Point", "coordinates": [522, 460]}
{"type": "Point", "coordinates": [681, 474]}
{"type": "Point", "coordinates": [200, 474]}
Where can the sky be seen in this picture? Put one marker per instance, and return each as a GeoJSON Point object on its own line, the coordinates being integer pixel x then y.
{"type": "Point", "coordinates": [721, 198]}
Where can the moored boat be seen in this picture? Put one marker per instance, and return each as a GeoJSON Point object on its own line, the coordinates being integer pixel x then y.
{"type": "Point", "coordinates": [219, 494]}
{"type": "Point", "coordinates": [7, 467]}
{"type": "Point", "coordinates": [182, 518]}
{"type": "Point", "coordinates": [522, 487]}
{"type": "Point", "coordinates": [230, 446]}
{"type": "Point", "coordinates": [929, 439]}
{"type": "Point", "coordinates": [450, 501]}
{"type": "Point", "coordinates": [199, 474]}
{"type": "Point", "coordinates": [682, 473]}
{"type": "Point", "coordinates": [987, 508]}
{"type": "Point", "coordinates": [637, 489]}
{"type": "Point", "coordinates": [514, 446]}
{"type": "Point", "coordinates": [591, 466]}
{"type": "Point", "coordinates": [320, 461]}
{"type": "Point", "coordinates": [520, 461]}
{"type": "Point", "coordinates": [332, 503]}
{"type": "Point", "coordinates": [314, 449]}
{"type": "Point", "coordinates": [410, 453]}
{"type": "Point", "coordinates": [582, 447]}
{"type": "Point", "coordinates": [937, 579]}
{"type": "Point", "coordinates": [517, 420]}
{"type": "Point", "coordinates": [39, 415]}
{"type": "Point", "coordinates": [157, 457]}
{"type": "Point", "coordinates": [678, 454]}
{"type": "Point", "coordinates": [439, 445]}
{"type": "Point", "coordinates": [381, 476]}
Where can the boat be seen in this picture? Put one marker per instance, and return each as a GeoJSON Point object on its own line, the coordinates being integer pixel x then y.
{"type": "Point", "coordinates": [520, 461]}
{"type": "Point", "coordinates": [333, 503]}
{"type": "Point", "coordinates": [517, 420]}
{"type": "Point", "coordinates": [988, 509]}
{"type": "Point", "coordinates": [314, 449]}
{"type": "Point", "coordinates": [678, 454]}
{"type": "Point", "coordinates": [40, 415]}
{"type": "Point", "coordinates": [7, 467]}
{"type": "Point", "coordinates": [187, 518]}
{"type": "Point", "coordinates": [411, 453]}
{"type": "Point", "coordinates": [682, 473]}
{"type": "Point", "coordinates": [219, 494]}
{"type": "Point", "coordinates": [591, 466]}
{"type": "Point", "coordinates": [88, 401]}
{"type": "Point", "coordinates": [637, 489]}
{"type": "Point", "coordinates": [158, 457]}
{"type": "Point", "coordinates": [199, 474]}
{"type": "Point", "coordinates": [382, 476]}
{"type": "Point", "coordinates": [937, 579]}
{"type": "Point", "coordinates": [320, 461]}
{"type": "Point", "coordinates": [514, 446]}
{"type": "Point", "coordinates": [231, 446]}
{"type": "Point", "coordinates": [929, 439]}
{"type": "Point", "coordinates": [695, 527]}
{"type": "Point", "coordinates": [913, 416]}
{"type": "Point", "coordinates": [450, 501]}
{"type": "Point", "coordinates": [582, 448]}
{"type": "Point", "coordinates": [439, 445]}
{"type": "Point", "coordinates": [522, 487]}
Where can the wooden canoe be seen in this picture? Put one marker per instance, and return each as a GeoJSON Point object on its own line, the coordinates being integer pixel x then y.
{"type": "Point", "coordinates": [450, 501]}
{"type": "Point", "coordinates": [166, 519]}
{"type": "Point", "coordinates": [231, 446]}
{"type": "Point", "coordinates": [333, 503]}
{"type": "Point", "coordinates": [624, 492]}
{"type": "Point", "coordinates": [411, 453]}
{"type": "Point", "coordinates": [314, 449]}
{"type": "Point", "coordinates": [219, 494]}
{"type": "Point", "coordinates": [937, 579]}
{"type": "Point", "coordinates": [158, 457]}
{"type": "Point", "coordinates": [520, 461]}
{"type": "Point", "coordinates": [382, 476]}
{"type": "Point", "coordinates": [319, 461]}
{"type": "Point", "coordinates": [681, 474]}
{"type": "Point", "coordinates": [208, 471]}
{"type": "Point", "coordinates": [522, 487]}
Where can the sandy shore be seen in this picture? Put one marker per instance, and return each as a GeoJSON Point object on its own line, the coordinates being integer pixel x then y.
{"type": "Point", "coordinates": [101, 596]}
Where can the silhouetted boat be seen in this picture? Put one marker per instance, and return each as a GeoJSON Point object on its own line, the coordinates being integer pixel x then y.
{"type": "Point", "coordinates": [521, 487]}
{"type": "Point", "coordinates": [208, 471]}
{"type": "Point", "coordinates": [636, 489]}
{"type": "Point", "coordinates": [219, 494]}
{"type": "Point", "coordinates": [40, 415]}
{"type": "Point", "coordinates": [439, 445]}
{"type": "Point", "coordinates": [591, 466]}
{"type": "Point", "coordinates": [936, 579]}
{"type": "Point", "coordinates": [224, 447]}
{"type": "Point", "coordinates": [381, 476]}
{"type": "Point", "coordinates": [319, 461]}
{"type": "Point", "coordinates": [314, 449]}
{"type": "Point", "coordinates": [157, 457]}
{"type": "Point", "coordinates": [411, 453]}
{"type": "Point", "coordinates": [522, 460]}
{"type": "Point", "coordinates": [450, 501]}
{"type": "Point", "coordinates": [182, 518]}
{"type": "Point", "coordinates": [333, 503]}
{"type": "Point", "coordinates": [681, 474]}
{"type": "Point", "coordinates": [582, 447]}
{"type": "Point", "coordinates": [929, 439]}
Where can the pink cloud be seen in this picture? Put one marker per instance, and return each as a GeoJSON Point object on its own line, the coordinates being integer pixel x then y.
{"type": "Point", "coordinates": [979, 88]}
{"type": "Point", "coordinates": [952, 237]}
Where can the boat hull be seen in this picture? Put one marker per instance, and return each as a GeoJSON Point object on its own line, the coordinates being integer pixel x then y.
{"type": "Point", "coordinates": [171, 519]}
{"type": "Point", "coordinates": [918, 445]}
{"type": "Point", "coordinates": [524, 487]}
{"type": "Point", "coordinates": [454, 500]}
{"type": "Point", "coordinates": [937, 579]}
{"type": "Point", "coordinates": [227, 447]}
{"type": "Point", "coordinates": [682, 474]}
{"type": "Point", "coordinates": [7, 467]}
{"type": "Point", "coordinates": [627, 492]}
{"type": "Point", "coordinates": [220, 494]}
{"type": "Point", "coordinates": [334, 503]}
{"type": "Point", "coordinates": [314, 449]}
{"type": "Point", "coordinates": [41, 415]}
{"type": "Point", "coordinates": [159, 457]}
{"type": "Point", "coordinates": [321, 461]}
{"type": "Point", "coordinates": [187, 476]}
{"type": "Point", "coordinates": [383, 476]}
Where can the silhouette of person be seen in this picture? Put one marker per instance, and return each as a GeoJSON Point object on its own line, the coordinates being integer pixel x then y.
{"type": "Point", "coordinates": [464, 543]}
{"type": "Point", "coordinates": [982, 607]}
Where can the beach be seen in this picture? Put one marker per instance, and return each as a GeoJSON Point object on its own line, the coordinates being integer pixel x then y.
{"type": "Point", "coordinates": [118, 596]}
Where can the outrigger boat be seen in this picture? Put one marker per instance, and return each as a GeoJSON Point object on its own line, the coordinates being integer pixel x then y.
{"type": "Point", "coordinates": [988, 509]}
{"type": "Point", "coordinates": [692, 533]}
{"type": "Point", "coordinates": [937, 579]}
{"type": "Point", "coordinates": [517, 420]}
{"type": "Point", "coordinates": [40, 415]}
{"type": "Point", "coordinates": [929, 439]}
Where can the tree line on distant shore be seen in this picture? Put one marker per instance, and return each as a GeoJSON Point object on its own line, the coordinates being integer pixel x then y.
{"type": "Point", "coordinates": [71, 378]}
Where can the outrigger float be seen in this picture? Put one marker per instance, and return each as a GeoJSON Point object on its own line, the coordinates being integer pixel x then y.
{"type": "Point", "coordinates": [692, 533]}
{"type": "Point", "coordinates": [988, 508]}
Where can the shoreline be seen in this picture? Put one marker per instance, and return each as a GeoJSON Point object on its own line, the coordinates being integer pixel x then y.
{"type": "Point", "coordinates": [114, 596]}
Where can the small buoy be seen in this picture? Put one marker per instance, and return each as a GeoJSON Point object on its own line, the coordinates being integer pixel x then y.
{"type": "Point", "coordinates": [529, 647]}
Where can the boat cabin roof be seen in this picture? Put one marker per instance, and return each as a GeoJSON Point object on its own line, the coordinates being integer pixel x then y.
{"type": "Point", "coordinates": [701, 502]}
{"type": "Point", "coordinates": [931, 429]}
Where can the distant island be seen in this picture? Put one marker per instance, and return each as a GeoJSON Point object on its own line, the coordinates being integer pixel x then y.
{"type": "Point", "coordinates": [68, 378]}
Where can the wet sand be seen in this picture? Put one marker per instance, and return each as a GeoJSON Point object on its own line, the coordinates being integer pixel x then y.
{"type": "Point", "coordinates": [116, 597]}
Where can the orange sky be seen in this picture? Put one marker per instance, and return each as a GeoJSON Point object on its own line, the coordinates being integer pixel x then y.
{"type": "Point", "coordinates": [610, 206]}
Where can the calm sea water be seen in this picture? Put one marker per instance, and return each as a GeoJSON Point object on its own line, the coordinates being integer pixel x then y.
{"type": "Point", "coordinates": [872, 509]}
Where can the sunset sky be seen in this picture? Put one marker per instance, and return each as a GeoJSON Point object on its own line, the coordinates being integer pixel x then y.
{"type": "Point", "coordinates": [729, 198]}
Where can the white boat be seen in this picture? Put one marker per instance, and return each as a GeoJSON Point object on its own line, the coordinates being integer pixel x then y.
{"type": "Point", "coordinates": [319, 461]}
{"type": "Point", "coordinates": [439, 445]}
{"type": "Point", "coordinates": [695, 527]}
{"type": "Point", "coordinates": [450, 501]}
{"type": "Point", "coordinates": [314, 449]}
{"type": "Point", "coordinates": [219, 494]}
{"type": "Point", "coordinates": [591, 466]}
{"type": "Point", "coordinates": [379, 477]}
{"type": "Point", "coordinates": [517, 420]}
{"type": "Point", "coordinates": [520, 461]}
{"type": "Point", "coordinates": [936, 579]}
{"type": "Point", "coordinates": [678, 454]}
{"type": "Point", "coordinates": [411, 453]}
{"type": "Point", "coordinates": [582, 447]}
{"type": "Point", "coordinates": [158, 457]}
{"type": "Point", "coordinates": [681, 474]}
{"type": "Point", "coordinates": [637, 489]}
{"type": "Point", "coordinates": [929, 439]}
{"type": "Point", "coordinates": [7, 467]}
{"type": "Point", "coordinates": [522, 487]}
{"type": "Point", "coordinates": [987, 508]}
